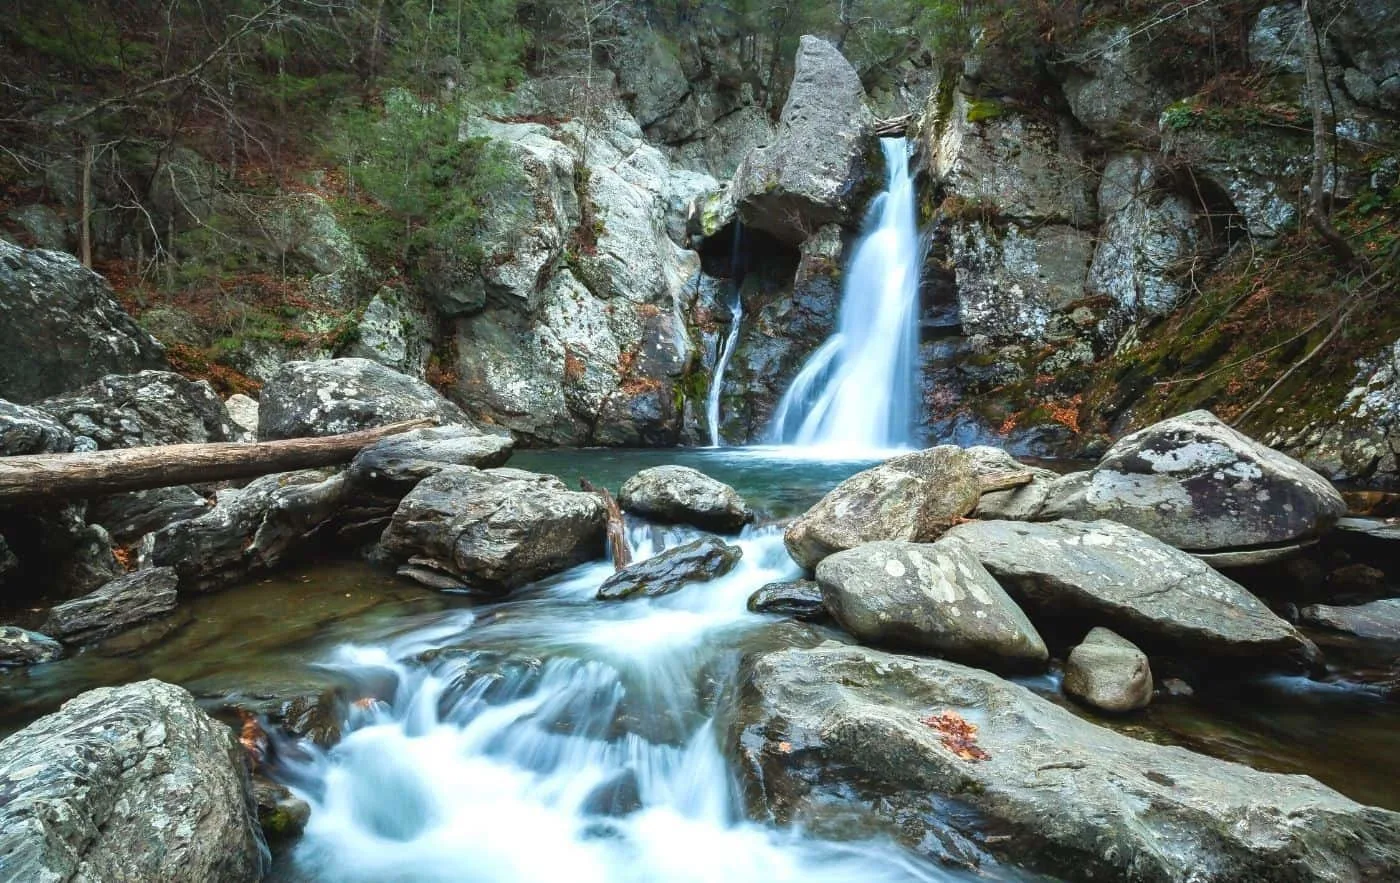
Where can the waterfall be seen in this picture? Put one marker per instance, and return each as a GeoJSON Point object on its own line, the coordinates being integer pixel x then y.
{"type": "Point", "coordinates": [857, 392]}
{"type": "Point", "coordinates": [731, 340]}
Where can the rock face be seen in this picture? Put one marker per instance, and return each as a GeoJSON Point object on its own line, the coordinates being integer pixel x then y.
{"type": "Point", "coordinates": [392, 466]}
{"type": "Point", "coordinates": [1378, 620]}
{"type": "Point", "coordinates": [1197, 484]}
{"type": "Point", "coordinates": [800, 599]}
{"type": "Point", "coordinates": [395, 331]}
{"type": "Point", "coordinates": [929, 599]}
{"type": "Point", "coordinates": [119, 605]}
{"type": "Point", "coordinates": [810, 174]}
{"type": "Point", "coordinates": [698, 561]}
{"type": "Point", "coordinates": [911, 497]}
{"type": "Point", "coordinates": [22, 647]}
{"type": "Point", "coordinates": [343, 395]}
{"type": "Point", "coordinates": [681, 495]}
{"type": "Point", "coordinates": [25, 430]}
{"type": "Point", "coordinates": [128, 783]}
{"type": "Point", "coordinates": [60, 326]}
{"type": "Point", "coordinates": [1151, 593]}
{"type": "Point", "coordinates": [835, 739]}
{"type": "Point", "coordinates": [497, 529]}
{"type": "Point", "coordinates": [148, 408]}
{"type": "Point", "coordinates": [1108, 673]}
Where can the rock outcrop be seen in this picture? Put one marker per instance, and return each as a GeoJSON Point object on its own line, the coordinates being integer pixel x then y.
{"type": "Point", "coordinates": [681, 495]}
{"type": "Point", "coordinates": [842, 738]}
{"type": "Point", "coordinates": [671, 570]}
{"type": "Point", "coordinates": [128, 783]}
{"type": "Point", "coordinates": [343, 395]}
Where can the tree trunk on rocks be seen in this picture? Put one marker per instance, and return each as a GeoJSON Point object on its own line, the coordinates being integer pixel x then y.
{"type": "Point", "coordinates": [53, 477]}
{"type": "Point", "coordinates": [617, 529]}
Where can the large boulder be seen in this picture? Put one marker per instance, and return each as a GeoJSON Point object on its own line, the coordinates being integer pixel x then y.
{"type": "Point", "coordinates": [55, 554]}
{"type": "Point", "coordinates": [128, 783]}
{"type": "Point", "coordinates": [119, 605]}
{"type": "Point", "coordinates": [697, 561]}
{"type": "Point", "coordinates": [61, 327]}
{"type": "Point", "coordinates": [1108, 673]}
{"type": "Point", "coordinates": [496, 529]}
{"type": "Point", "coordinates": [811, 173]}
{"type": "Point", "coordinates": [928, 599]}
{"type": "Point", "coordinates": [344, 395]}
{"type": "Point", "coordinates": [147, 408]}
{"type": "Point", "coordinates": [25, 430]}
{"type": "Point", "coordinates": [936, 755]}
{"type": "Point", "coordinates": [1105, 573]}
{"type": "Point", "coordinates": [913, 497]}
{"type": "Point", "coordinates": [394, 465]}
{"type": "Point", "coordinates": [1197, 484]}
{"type": "Point", "coordinates": [681, 495]}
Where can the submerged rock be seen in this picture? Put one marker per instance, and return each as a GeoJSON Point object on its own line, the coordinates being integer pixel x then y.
{"type": "Point", "coordinates": [1153, 594]}
{"type": "Point", "coordinates": [1109, 673]}
{"type": "Point", "coordinates": [22, 647]}
{"type": "Point", "coordinates": [800, 599]}
{"type": "Point", "coordinates": [670, 571]}
{"type": "Point", "coordinates": [128, 783]}
{"type": "Point", "coordinates": [149, 408]}
{"type": "Point", "coordinates": [681, 495]}
{"type": "Point", "coordinates": [344, 395]}
{"type": "Point", "coordinates": [117, 606]}
{"type": "Point", "coordinates": [842, 738]}
{"type": "Point", "coordinates": [930, 599]}
{"type": "Point", "coordinates": [1378, 620]}
{"type": "Point", "coordinates": [496, 529]}
{"type": "Point", "coordinates": [1197, 484]}
{"type": "Point", "coordinates": [394, 465]}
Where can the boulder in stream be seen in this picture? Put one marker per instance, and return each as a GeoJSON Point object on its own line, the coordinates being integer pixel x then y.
{"type": "Point", "coordinates": [394, 465]}
{"type": "Point", "coordinates": [496, 529]}
{"type": "Point", "coordinates": [681, 495]}
{"type": "Point", "coordinates": [22, 647]}
{"type": "Point", "coordinates": [1194, 482]}
{"type": "Point", "coordinates": [697, 561]}
{"type": "Point", "coordinates": [128, 783]}
{"type": "Point", "coordinates": [1108, 672]}
{"type": "Point", "coordinates": [1157, 596]}
{"type": "Point", "coordinates": [120, 604]}
{"type": "Point", "coordinates": [343, 395]}
{"type": "Point", "coordinates": [928, 598]}
{"type": "Point", "coordinates": [939, 756]}
{"type": "Point", "coordinates": [799, 598]}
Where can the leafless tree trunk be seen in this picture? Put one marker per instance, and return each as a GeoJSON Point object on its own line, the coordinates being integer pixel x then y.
{"type": "Point", "coordinates": [85, 223]}
{"type": "Point", "coordinates": [1319, 202]}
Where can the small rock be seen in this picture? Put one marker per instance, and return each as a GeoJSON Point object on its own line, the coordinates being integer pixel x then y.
{"type": "Point", "coordinates": [1356, 580]}
{"type": "Point", "coordinates": [22, 647]}
{"type": "Point", "coordinates": [800, 599]}
{"type": "Point", "coordinates": [681, 495]}
{"type": "Point", "coordinates": [1177, 687]}
{"type": "Point", "coordinates": [117, 606]}
{"type": "Point", "coordinates": [1109, 673]}
{"type": "Point", "coordinates": [1378, 620]}
{"type": "Point", "coordinates": [670, 571]}
{"type": "Point", "coordinates": [281, 814]}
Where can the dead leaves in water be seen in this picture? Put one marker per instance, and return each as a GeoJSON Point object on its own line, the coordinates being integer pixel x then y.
{"type": "Point", "coordinates": [957, 735]}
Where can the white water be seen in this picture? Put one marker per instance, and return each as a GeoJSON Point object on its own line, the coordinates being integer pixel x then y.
{"type": "Point", "coordinates": [731, 341]}
{"type": "Point", "coordinates": [487, 763]}
{"type": "Point", "coordinates": [857, 392]}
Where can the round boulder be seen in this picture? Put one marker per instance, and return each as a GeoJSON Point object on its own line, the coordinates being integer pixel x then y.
{"type": "Point", "coordinates": [681, 495]}
{"type": "Point", "coordinates": [1108, 673]}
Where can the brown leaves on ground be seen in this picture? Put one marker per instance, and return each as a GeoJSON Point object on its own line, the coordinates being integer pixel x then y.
{"type": "Point", "coordinates": [253, 738]}
{"type": "Point", "coordinates": [957, 734]}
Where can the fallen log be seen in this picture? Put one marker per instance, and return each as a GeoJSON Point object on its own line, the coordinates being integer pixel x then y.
{"type": "Point", "coordinates": [894, 127]}
{"type": "Point", "coordinates": [617, 529]}
{"type": "Point", "coordinates": [43, 478]}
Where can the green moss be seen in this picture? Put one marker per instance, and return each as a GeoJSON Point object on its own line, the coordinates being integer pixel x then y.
{"type": "Point", "coordinates": [983, 109]}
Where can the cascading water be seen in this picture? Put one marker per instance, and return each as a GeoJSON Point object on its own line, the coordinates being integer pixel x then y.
{"type": "Point", "coordinates": [856, 393]}
{"type": "Point", "coordinates": [557, 737]}
{"type": "Point", "coordinates": [731, 340]}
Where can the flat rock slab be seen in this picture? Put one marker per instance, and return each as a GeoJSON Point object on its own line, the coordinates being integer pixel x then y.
{"type": "Point", "coordinates": [841, 738]}
{"type": "Point", "coordinates": [697, 561]}
{"type": "Point", "coordinates": [119, 605]}
{"type": "Point", "coordinates": [1377, 528]}
{"type": "Point", "coordinates": [1151, 593]}
{"type": "Point", "coordinates": [393, 466]}
{"type": "Point", "coordinates": [1378, 620]}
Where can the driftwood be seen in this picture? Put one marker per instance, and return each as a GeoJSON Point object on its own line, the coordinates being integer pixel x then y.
{"type": "Point", "coordinates": [41, 478]}
{"type": "Point", "coordinates": [617, 530]}
{"type": "Point", "coordinates": [894, 127]}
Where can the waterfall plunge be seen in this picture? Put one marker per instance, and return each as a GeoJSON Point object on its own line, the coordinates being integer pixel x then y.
{"type": "Point", "coordinates": [857, 391]}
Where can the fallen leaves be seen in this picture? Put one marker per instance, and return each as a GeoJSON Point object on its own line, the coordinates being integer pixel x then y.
{"type": "Point", "coordinates": [957, 735]}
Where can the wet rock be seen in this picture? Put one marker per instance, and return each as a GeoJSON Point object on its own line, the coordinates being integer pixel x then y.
{"type": "Point", "coordinates": [1197, 484]}
{"type": "Point", "coordinates": [148, 408]}
{"type": "Point", "coordinates": [619, 796]}
{"type": "Point", "coordinates": [913, 497]}
{"type": "Point", "coordinates": [250, 529]}
{"type": "Point", "coordinates": [393, 466]}
{"type": "Point", "coordinates": [800, 599]}
{"type": "Point", "coordinates": [810, 174]}
{"type": "Point", "coordinates": [128, 783]}
{"type": "Point", "coordinates": [845, 726]}
{"type": "Point", "coordinates": [496, 529]}
{"type": "Point", "coordinates": [1378, 620]}
{"type": "Point", "coordinates": [698, 561]}
{"type": "Point", "coordinates": [933, 599]}
{"type": "Point", "coordinates": [1153, 594]}
{"type": "Point", "coordinates": [117, 606]}
{"type": "Point", "coordinates": [25, 430]}
{"type": "Point", "coordinates": [1013, 504]}
{"type": "Point", "coordinates": [243, 413]}
{"type": "Point", "coordinates": [345, 395]}
{"type": "Point", "coordinates": [22, 647]}
{"type": "Point", "coordinates": [63, 327]}
{"type": "Point", "coordinates": [281, 814]}
{"type": "Point", "coordinates": [130, 516]}
{"type": "Point", "coordinates": [1108, 673]}
{"type": "Point", "coordinates": [681, 495]}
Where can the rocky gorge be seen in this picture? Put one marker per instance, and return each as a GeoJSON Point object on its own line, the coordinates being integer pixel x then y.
{"type": "Point", "coordinates": [1121, 604]}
